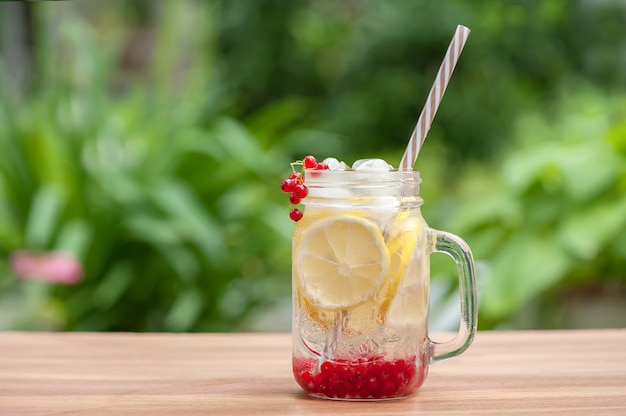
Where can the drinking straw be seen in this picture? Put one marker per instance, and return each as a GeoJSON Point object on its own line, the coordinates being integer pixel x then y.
{"type": "Point", "coordinates": [434, 98]}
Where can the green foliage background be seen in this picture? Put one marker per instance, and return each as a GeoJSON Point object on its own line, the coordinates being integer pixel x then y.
{"type": "Point", "coordinates": [149, 138]}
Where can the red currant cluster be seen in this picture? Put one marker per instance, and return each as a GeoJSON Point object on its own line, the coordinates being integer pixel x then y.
{"type": "Point", "coordinates": [294, 184]}
{"type": "Point", "coordinates": [376, 379]}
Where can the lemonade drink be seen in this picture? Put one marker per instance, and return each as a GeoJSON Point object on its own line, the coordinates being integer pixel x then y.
{"type": "Point", "coordinates": [361, 271]}
{"type": "Point", "coordinates": [360, 286]}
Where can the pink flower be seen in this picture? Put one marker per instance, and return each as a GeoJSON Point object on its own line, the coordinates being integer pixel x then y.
{"type": "Point", "coordinates": [53, 267]}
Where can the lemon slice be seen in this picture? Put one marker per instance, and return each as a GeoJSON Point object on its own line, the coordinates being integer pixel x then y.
{"type": "Point", "coordinates": [402, 242]}
{"type": "Point", "coordinates": [342, 261]}
{"type": "Point", "coordinates": [403, 237]}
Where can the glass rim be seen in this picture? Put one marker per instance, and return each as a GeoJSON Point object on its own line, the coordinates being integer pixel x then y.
{"type": "Point", "coordinates": [314, 176]}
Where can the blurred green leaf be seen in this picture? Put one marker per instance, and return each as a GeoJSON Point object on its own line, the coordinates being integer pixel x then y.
{"type": "Point", "coordinates": [278, 118]}
{"type": "Point", "coordinates": [10, 235]}
{"type": "Point", "coordinates": [242, 150]}
{"type": "Point", "coordinates": [523, 268]}
{"type": "Point", "coordinates": [75, 237]}
{"type": "Point", "coordinates": [587, 232]}
{"type": "Point", "coordinates": [43, 217]}
{"type": "Point", "coordinates": [185, 311]}
{"type": "Point", "coordinates": [112, 285]}
{"type": "Point", "coordinates": [589, 170]}
{"type": "Point", "coordinates": [181, 259]}
{"type": "Point", "coordinates": [617, 136]}
{"type": "Point", "coordinates": [187, 215]}
{"type": "Point", "coordinates": [151, 229]}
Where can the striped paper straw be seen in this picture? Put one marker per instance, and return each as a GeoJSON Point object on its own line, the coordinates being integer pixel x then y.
{"type": "Point", "coordinates": [434, 98]}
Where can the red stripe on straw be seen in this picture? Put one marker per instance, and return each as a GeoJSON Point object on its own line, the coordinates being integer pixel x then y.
{"type": "Point", "coordinates": [427, 115]}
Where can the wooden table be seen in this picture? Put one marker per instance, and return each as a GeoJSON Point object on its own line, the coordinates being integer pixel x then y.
{"type": "Point", "coordinates": [553, 372]}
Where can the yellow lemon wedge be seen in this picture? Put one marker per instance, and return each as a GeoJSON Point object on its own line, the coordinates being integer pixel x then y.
{"type": "Point", "coordinates": [402, 241]}
{"type": "Point", "coordinates": [341, 261]}
{"type": "Point", "coordinates": [402, 238]}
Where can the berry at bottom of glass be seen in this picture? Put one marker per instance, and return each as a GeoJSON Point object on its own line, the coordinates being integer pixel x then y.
{"type": "Point", "coordinates": [360, 379]}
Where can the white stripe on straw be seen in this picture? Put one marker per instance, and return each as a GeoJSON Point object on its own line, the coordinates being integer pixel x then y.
{"type": "Point", "coordinates": [434, 98]}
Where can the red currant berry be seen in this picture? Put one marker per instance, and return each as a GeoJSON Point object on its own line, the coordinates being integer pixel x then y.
{"type": "Point", "coordinates": [306, 377]}
{"type": "Point", "coordinates": [321, 166]}
{"type": "Point", "coordinates": [389, 389]}
{"type": "Point", "coordinates": [320, 383]}
{"type": "Point", "coordinates": [388, 368]}
{"type": "Point", "coordinates": [327, 367]}
{"type": "Point", "coordinates": [297, 176]}
{"type": "Point", "coordinates": [375, 369]}
{"type": "Point", "coordinates": [344, 372]}
{"type": "Point", "coordinates": [294, 199]}
{"type": "Point", "coordinates": [296, 214]}
{"type": "Point", "coordinates": [300, 190]}
{"type": "Point", "coordinates": [287, 185]}
{"type": "Point", "coordinates": [409, 372]}
{"type": "Point", "coordinates": [373, 385]}
{"type": "Point", "coordinates": [358, 389]}
{"type": "Point", "coordinates": [309, 162]}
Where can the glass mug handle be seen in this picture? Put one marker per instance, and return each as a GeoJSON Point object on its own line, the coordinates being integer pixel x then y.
{"type": "Point", "coordinates": [460, 252]}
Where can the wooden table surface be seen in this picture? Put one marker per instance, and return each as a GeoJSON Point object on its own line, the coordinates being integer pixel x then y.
{"type": "Point", "coordinates": [552, 372]}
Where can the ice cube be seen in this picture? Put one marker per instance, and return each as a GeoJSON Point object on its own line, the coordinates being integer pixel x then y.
{"type": "Point", "coordinates": [377, 165]}
{"type": "Point", "coordinates": [334, 164]}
